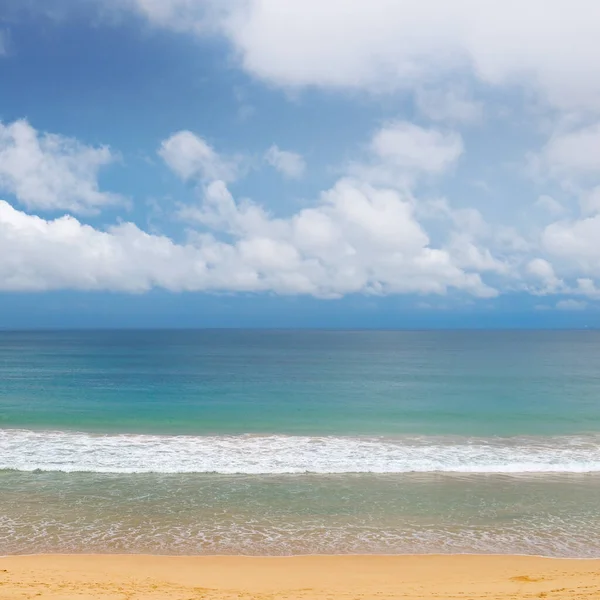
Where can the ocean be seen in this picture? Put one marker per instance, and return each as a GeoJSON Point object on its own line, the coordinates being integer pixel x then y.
{"type": "Point", "coordinates": [300, 442]}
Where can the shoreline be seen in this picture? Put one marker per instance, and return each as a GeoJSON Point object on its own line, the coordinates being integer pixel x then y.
{"type": "Point", "coordinates": [307, 555]}
{"type": "Point", "coordinates": [412, 577]}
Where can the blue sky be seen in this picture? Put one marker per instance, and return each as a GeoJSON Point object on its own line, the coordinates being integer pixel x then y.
{"type": "Point", "coordinates": [299, 163]}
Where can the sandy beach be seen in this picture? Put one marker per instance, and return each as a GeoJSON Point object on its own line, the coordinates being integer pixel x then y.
{"type": "Point", "coordinates": [328, 577]}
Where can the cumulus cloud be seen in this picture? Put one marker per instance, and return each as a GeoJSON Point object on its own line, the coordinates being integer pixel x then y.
{"type": "Point", "coordinates": [191, 157]}
{"type": "Point", "coordinates": [551, 46]}
{"type": "Point", "coordinates": [366, 234]}
{"type": "Point", "coordinates": [586, 287]}
{"type": "Point", "coordinates": [571, 159]}
{"type": "Point", "coordinates": [359, 239]}
{"type": "Point", "coordinates": [575, 243]}
{"type": "Point", "coordinates": [40, 254]}
{"type": "Point", "coordinates": [359, 236]}
{"type": "Point", "coordinates": [571, 263]}
{"type": "Point", "coordinates": [401, 152]}
{"type": "Point", "coordinates": [371, 232]}
{"type": "Point", "coordinates": [543, 272]}
{"type": "Point", "coordinates": [407, 146]}
{"type": "Point", "coordinates": [51, 172]}
{"type": "Point", "coordinates": [290, 164]}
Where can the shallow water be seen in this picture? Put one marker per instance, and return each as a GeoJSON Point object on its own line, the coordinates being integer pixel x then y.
{"type": "Point", "coordinates": [295, 514]}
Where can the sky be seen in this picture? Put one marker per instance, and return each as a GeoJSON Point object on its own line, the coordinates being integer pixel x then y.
{"type": "Point", "coordinates": [299, 163]}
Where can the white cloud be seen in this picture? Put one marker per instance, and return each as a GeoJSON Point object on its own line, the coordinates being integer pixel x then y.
{"type": "Point", "coordinates": [368, 233]}
{"type": "Point", "coordinates": [191, 157]}
{"type": "Point", "coordinates": [449, 105]}
{"type": "Point", "coordinates": [543, 272]}
{"type": "Point", "coordinates": [364, 235]}
{"type": "Point", "coordinates": [414, 148]}
{"type": "Point", "coordinates": [575, 244]}
{"type": "Point", "coordinates": [586, 287]}
{"type": "Point", "coordinates": [469, 255]}
{"type": "Point", "coordinates": [358, 239]}
{"type": "Point", "coordinates": [39, 254]}
{"type": "Point", "coordinates": [571, 305]}
{"type": "Point", "coordinates": [573, 153]}
{"type": "Point", "coordinates": [290, 164]}
{"type": "Point", "coordinates": [571, 159]}
{"type": "Point", "coordinates": [400, 151]}
{"type": "Point", "coordinates": [573, 247]}
{"type": "Point", "coordinates": [468, 235]}
{"type": "Point", "coordinates": [551, 46]}
{"type": "Point", "coordinates": [52, 172]}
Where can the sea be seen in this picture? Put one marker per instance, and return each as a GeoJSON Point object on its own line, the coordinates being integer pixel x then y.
{"type": "Point", "coordinates": [300, 442]}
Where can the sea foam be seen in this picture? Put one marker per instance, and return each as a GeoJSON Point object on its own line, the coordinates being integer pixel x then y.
{"type": "Point", "coordinates": [23, 450]}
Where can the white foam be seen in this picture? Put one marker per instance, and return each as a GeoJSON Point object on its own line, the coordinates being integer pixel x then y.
{"type": "Point", "coordinates": [23, 450]}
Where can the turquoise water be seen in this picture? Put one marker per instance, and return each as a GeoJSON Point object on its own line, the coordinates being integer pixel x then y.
{"type": "Point", "coordinates": [278, 442]}
{"type": "Point", "coordinates": [347, 383]}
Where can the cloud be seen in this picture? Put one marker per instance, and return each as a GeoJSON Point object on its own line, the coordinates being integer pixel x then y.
{"type": "Point", "coordinates": [573, 153]}
{"type": "Point", "coordinates": [586, 287]}
{"type": "Point", "coordinates": [543, 272]}
{"type": "Point", "coordinates": [450, 105]}
{"type": "Point", "coordinates": [575, 244]}
{"type": "Point", "coordinates": [572, 248]}
{"type": "Point", "coordinates": [414, 148]}
{"type": "Point", "coordinates": [571, 305]}
{"type": "Point", "coordinates": [199, 16]}
{"type": "Point", "coordinates": [383, 227]}
{"type": "Point", "coordinates": [367, 234]}
{"type": "Point", "coordinates": [572, 258]}
{"type": "Point", "coordinates": [357, 239]}
{"type": "Point", "coordinates": [51, 172]}
{"type": "Point", "coordinates": [400, 152]}
{"type": "Point", "coordinates": [550, 46]}
{"type": "Point", "coordinates": [41, 254]}
{"type": "Point", "coordinates": [191, 157]}
{"type": "Point", "coordinates": [571, 159]}
{"type": "Point", "coordinates": [290, 164]}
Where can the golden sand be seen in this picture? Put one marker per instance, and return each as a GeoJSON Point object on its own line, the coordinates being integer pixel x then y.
{"type": "Point", "coordinates": [65, 577]}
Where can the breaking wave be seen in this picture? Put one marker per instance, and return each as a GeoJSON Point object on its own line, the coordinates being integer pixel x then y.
{"type": "Point", "coordinates": [23, 450]}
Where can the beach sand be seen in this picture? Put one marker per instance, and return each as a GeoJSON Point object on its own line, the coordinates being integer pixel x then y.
{"type": "Point", "coordinates": [314, 577]}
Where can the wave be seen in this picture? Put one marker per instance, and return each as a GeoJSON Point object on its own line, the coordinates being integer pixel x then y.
{"type": "Point", "coordinates": [23, 450]}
